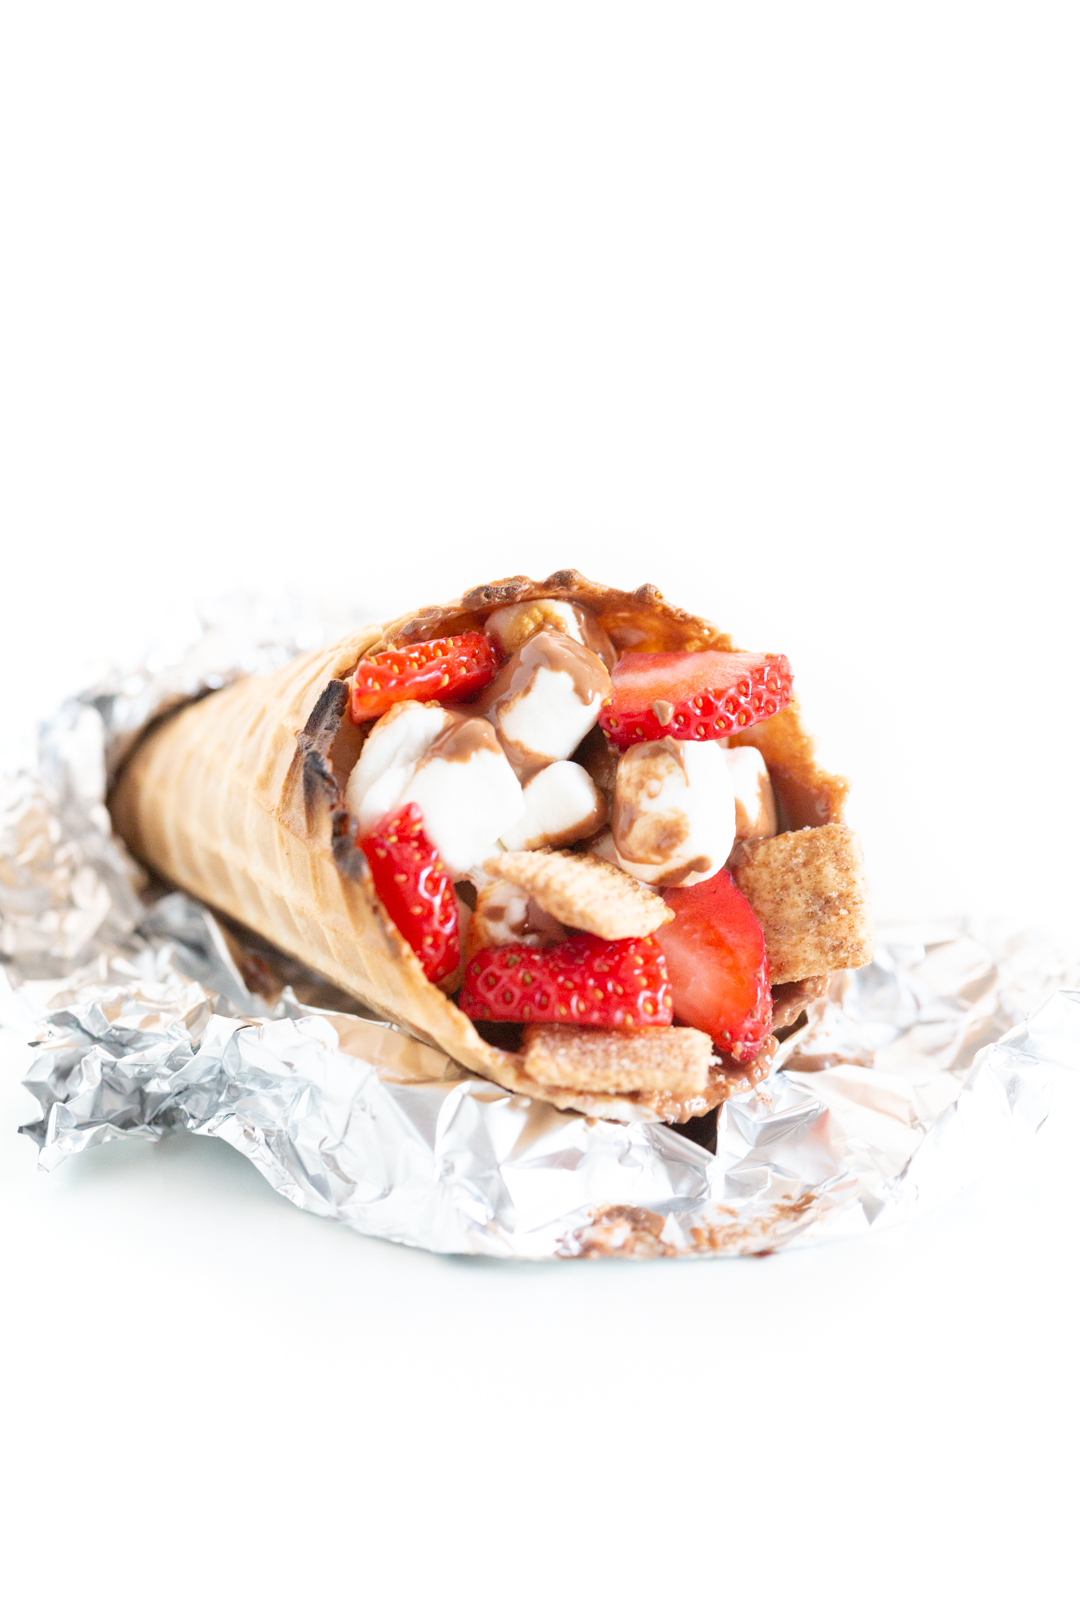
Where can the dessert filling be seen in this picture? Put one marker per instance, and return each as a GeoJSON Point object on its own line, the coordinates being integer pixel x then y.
{"type": "Point", "coordinates": [549, 827]}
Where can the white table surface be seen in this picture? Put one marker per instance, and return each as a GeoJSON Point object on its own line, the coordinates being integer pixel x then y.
{"type": "Point", "coordinates": [775, 308]}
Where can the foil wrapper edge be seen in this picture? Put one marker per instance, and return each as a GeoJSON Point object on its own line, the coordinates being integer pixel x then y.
{"type": "Point", "coordinates": [912, 1078]}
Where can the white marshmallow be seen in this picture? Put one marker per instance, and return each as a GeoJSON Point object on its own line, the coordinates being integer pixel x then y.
{"type": "Point", "coordinates": [506, 915]}
{"type": "Point", "coordinates": [562, 804]}
{"type": "Point", "coordinates": [755, 802]}
{"type": "Point", "coordinates": [544, 701]}
{"type": "Point", "coordinates": [467, 796]}
{"type": "Point", "coordinates": [393, 749]}
{"type": "Point", "coordinates": [548, 719]}
{"type": "Point", "coordinates": [467, 804]}
{"type": "Point", "coordinates": [603, 847]}
{"type": "Point", "coordinates": [674, 814]}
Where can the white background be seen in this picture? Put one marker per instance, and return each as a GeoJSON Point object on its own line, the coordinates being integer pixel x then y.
{"type": "Point", "coordinates": [775, 306]}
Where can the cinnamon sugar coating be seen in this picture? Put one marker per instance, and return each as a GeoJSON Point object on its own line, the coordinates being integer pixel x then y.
{"type": "Point", "coordinates": [808, 891]}
{"type": "Point", "coordinates": [614, 1062]}
{"type": "Point", "coordinates": [611, 1073]}
{"type": "Point", "coordinates": [584, 892]}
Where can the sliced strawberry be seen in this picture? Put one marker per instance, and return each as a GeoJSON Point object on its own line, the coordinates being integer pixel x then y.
{"type": "Point", "coordinates": [415, 889]}
{"type": "Point", "coordinates": [620, 983]}
{"type": "Point", "coordinates": [694, 695]}
{"type": "Point", "coordinates": [455, 667]}
{"type": "Point", "coordinates": [715, 953]}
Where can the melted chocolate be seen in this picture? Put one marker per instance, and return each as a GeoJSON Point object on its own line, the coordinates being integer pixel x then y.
{"type": "Point", "coordinates": [676, 879]}
{"type": "Point", "coordinates": [641, 834]}
{"type": "Point", "coordinates": [548, 649]}
{"type": "Point", "coordinates": [463, 738]}
{"type": "Point", "coordinates": [596, 638]}
{"type": "Point", "coordinates": [600, 760]}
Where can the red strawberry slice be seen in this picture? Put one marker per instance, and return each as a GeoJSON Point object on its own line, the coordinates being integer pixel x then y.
{"type": "Point", "coordinates": [694, 695]}
{"type": "Point", "coordinates": [415, 888]}
{"type": "Point", "coordinates": [455, 667]}
{"type": "Point", "coordinates": [620, 983]}
{"type": "Point", "coordinates": [715, 952]}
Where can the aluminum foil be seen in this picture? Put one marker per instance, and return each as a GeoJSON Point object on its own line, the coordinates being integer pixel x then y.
{"type": "Point", "coordinates": [912, 1078]}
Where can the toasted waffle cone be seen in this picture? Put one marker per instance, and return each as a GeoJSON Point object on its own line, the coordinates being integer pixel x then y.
{"type": "Point", "coordinates": [239, 799]}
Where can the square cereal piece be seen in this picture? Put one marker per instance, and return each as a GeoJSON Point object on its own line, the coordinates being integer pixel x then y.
{"type": "Point", "coordinates": [570, 1058]}
{"type": "Point", "coordinates": [584, 892]}
{"type": "Point", "coordinates": [808, 891]}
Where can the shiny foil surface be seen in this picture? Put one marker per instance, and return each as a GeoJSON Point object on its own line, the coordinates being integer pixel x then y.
{"type": "Point", "coordinates": [912, 1078]}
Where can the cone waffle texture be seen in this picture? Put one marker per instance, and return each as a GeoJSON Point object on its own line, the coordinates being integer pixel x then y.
{"type": "Point", "coordinates": [239, 799]}
{"type": "Point", "coordinates": [225, 802]}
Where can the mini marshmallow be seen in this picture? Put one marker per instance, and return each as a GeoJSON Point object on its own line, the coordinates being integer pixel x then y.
{"type": "Point", "coordinates": [467, 793]}
{"type": "Point", "coordinates": [393, 749]}
{"type": "Point", "coordinates": [545, 699]}
{"type": "Point", "coordinates": [562, 804]}
{"type": "Point", "coordinates": [455, 772]}
{"type": "Point", "coordinates": [674, 815]}
{"type": "Point", "coordinates": [603, 847]}
{"type": "Point", "coordinates": [511, 627]}
{"type": "Point", "coordinates": [755, 802]}
{"type": "Point", "coordinates": [506, 915]}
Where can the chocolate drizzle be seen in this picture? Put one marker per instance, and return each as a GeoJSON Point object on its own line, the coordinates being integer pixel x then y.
{"type": "Point", "coordinates": [548, 649]}
{"type": "Point", "coordinates": [462, 739]}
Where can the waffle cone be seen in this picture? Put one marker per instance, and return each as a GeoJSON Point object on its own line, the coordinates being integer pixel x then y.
{"type": "Point", "coordinates": [239, 799]}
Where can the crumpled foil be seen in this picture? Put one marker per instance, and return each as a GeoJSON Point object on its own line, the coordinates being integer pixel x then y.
{"type": "Point", "coordinates": [911, 1078]}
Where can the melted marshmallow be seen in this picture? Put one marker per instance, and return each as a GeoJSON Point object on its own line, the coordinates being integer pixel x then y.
{"type": "Point", "coordinates": [673, 821]}
{"type": "Point", "coordinates": [455, 772]}
{"type": "Point", "coordinates": [562, 804]}
{"type": "Point", "coordinates": [755, 803]}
